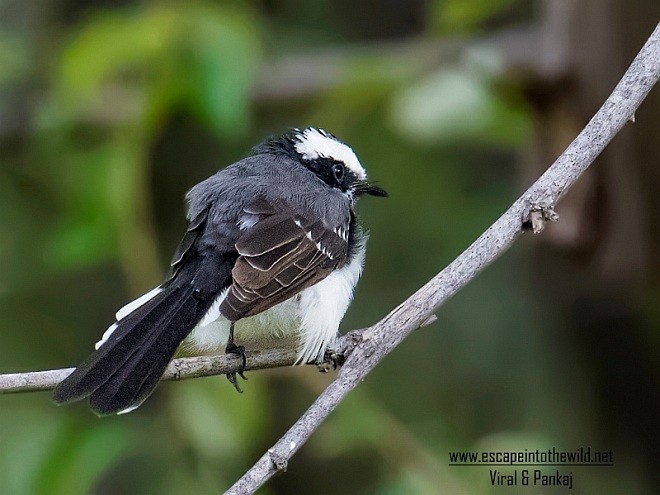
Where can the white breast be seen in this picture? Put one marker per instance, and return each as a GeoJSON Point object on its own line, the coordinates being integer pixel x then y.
{"type": "Point", "coordinates": [312, 317]}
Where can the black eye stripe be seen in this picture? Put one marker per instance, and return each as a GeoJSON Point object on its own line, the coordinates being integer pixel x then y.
{"type": "Point", "coordinates": [333, 172]}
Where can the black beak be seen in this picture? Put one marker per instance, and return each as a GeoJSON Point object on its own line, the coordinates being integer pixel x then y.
{"type": "Point", "coordinates": [366, 188]}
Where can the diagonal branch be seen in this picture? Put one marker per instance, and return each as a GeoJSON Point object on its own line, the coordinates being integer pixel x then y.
{"type": "Point", "coordinates": [532, 209]}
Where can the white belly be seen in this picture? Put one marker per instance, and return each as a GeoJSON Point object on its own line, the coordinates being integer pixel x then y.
{"type": "Point", "coordinates": [310, 319]}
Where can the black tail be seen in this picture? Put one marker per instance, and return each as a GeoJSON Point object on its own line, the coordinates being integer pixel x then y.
{"type": "Point", "coordinates": [126, 368]}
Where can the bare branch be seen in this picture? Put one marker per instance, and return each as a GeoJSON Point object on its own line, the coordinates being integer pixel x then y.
{"type": "Point", "coordinates": [178, 369]}
{"type": "Point", "coordinates": [533, 207]}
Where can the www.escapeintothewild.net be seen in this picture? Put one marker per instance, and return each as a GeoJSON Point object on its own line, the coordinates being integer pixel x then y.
{"type": "Point", "coordinates": [583, 456]}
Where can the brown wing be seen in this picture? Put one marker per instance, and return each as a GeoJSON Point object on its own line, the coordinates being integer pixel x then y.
{"type": "Point", "coordinates": [280, 255]}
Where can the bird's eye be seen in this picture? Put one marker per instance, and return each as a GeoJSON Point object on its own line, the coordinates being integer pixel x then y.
{"type": "Point", "coordinates": [338, 170]}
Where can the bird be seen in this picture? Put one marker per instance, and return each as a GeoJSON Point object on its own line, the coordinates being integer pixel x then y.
{"type": "Point", "coordinates": [273, 248]}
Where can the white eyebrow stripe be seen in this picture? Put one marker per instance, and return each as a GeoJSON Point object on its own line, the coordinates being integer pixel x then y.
{"type": "Point", "coordinates": [314, 143]}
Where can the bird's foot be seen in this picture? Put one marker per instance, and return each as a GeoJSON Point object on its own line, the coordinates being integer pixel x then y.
{"type": "Point", "coordinates": [332, 359]}
{"type": "Point", "coordinates": [240, 350]}
{"type": "Point", "coordinates": [335, 356]}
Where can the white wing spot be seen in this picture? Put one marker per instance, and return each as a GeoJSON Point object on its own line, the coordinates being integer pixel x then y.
{"type": "Point", "coordinates": [324, 251]}
{"type": "Point", "coordinates": [129, 409]}
{"type": "Point", "coordinates": [247, 221]}
{"type": "Point", "coordinates": [133, 305]}
{"type": "Point", "coordinates": [125, 311]}
{"type": "Point", "coordinates": [106, 336]}
{"type": "Point", "coordinates": [341, 233]}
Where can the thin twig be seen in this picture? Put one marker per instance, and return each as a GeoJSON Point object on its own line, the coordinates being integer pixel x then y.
{"type": "Point", "coordinates": [535, 206]}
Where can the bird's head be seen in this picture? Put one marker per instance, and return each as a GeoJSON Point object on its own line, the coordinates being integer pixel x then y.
{"type": "Point", "coordinates": [333, 161]}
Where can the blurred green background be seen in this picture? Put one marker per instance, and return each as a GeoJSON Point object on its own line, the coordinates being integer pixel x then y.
{"type": "Point", "coordinates": [111, 110]}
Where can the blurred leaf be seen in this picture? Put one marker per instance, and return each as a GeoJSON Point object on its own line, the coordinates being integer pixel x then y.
{"type": "Point", "coordinates": [458, 104]}
{"type": "Point", "coordinates": [215, 420]}
{"type": "Point", "coordinates": [359, 423]}
{"type": "Point", "coordinates": [86, 230]}
{"type": "Point", "coordinates": [80, 457]}
{"type": "Point", "coordinates": [18, 211]}
{"type": "Point", "coordinates": [80, 240]}
{"type": "Point", "coordinates": [201, 55]}
{"type": "Point", "coordinates": [115, 45]}
{"type": "Point", "coordinates": [14, 58]}
{"type": "Point", "coordinates": [27, 436]}
{"type": "Point", "coordinates": [463, 15]}
{"type": "Point", "coordinates": [224, 48]}
{"type": "Point", "coordinates": [405, 481]}
{"type": "Point", "coordinates": [445, 106]}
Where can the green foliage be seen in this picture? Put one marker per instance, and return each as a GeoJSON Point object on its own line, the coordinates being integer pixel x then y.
{"type": "Point", "coordinates": [90, 192]}
{"type": "Point", "coordinates": [20, 459]}
{"type": "Point", "coordinates": [80, 457]}
{"type": "Point", "coordinates": [465, 15]}
{"type": "Point", "coordinates": [13, 58]}
{"type": "Point", "coordinates": [461, 103]}
{"type": "Point", "coordinates": [207, 420]}
{"type": "Point", "coordinates": [225, 51]}
{"type": "Point", "coordinates": [117, 80]}
{"type": "Point", "coordinates": [168, 55]}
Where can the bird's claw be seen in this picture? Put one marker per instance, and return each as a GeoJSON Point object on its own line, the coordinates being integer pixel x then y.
{"type": "Point", "coordinates": [332, 360]}
{"type": "Point", "coordinates": [240, 350]}
{"type": "Point", "coordinates": [234, 381]}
